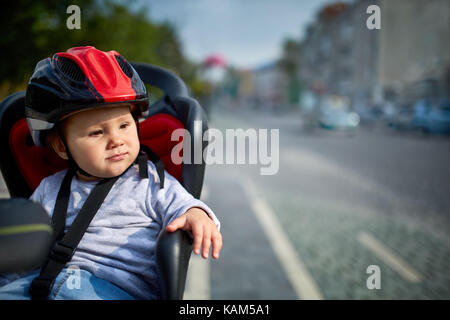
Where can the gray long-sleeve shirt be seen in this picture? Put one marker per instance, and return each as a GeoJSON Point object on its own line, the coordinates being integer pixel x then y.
{"type": "Point", "coordinates": [119, 244]}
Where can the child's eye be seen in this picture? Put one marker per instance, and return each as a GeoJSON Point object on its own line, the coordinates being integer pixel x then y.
{"type": "Point", "coordinates": [95, 133]}
{"type": "Point", "coordinates": [124, 125]}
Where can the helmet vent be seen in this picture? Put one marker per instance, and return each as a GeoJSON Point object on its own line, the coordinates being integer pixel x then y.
{"type": "Point", "coordinates": [125, 66]}
{"type": "Point", "coordinates": [70, 69]}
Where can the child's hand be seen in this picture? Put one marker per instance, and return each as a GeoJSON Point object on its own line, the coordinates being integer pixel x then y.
{"type": "Point", "coordinates": [203, 229]}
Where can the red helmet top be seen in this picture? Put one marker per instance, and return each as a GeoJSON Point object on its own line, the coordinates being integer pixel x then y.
{"type": "Point", "coordinates": [81, 78]}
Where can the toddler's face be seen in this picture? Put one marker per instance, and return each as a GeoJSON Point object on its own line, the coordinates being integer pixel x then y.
{"type": "Point", "coordinates": [104, 141]}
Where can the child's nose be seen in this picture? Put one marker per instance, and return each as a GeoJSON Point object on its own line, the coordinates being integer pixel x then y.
{"type": "Point", "coordinates": [115, 140]}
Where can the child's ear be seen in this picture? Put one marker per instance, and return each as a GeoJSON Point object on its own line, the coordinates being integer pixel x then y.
{"type": "Point", "coordinates": [57, 145]}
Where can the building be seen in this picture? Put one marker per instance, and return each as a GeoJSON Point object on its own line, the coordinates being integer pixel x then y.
{"type": "Point", "coordinates": [341, 56]}
{"type": "Point", "coordinates": [269, 87]}
{"type": "Point", "coordinates": [413, 48]}
{"type": "Point", "coordinates": [339, 52]}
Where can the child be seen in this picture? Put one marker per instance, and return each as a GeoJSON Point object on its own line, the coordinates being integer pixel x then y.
{"type": "Point", "coordinates": [84, 104]}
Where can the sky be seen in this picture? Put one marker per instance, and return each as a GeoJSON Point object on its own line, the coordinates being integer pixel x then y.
{"type": "Point", "coordinates": [248, 33]}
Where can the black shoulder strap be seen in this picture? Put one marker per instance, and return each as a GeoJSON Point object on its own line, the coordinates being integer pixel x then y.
{"type": "Point", "coordinates": [156, 161]}
{"type": "Point", "coordinates": [64, 248]}
{"type": "Point", "coordinates": [65, 244]}
{"type": "Point", "coordinates": [60, 210]}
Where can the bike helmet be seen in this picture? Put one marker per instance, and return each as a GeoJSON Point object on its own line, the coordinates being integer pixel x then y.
{"type": "Point", "coordinates": [81, 78]}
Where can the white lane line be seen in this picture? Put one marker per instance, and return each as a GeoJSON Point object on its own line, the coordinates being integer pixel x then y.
{"type": "Point", "coordinates": [389, 257]}
{"type": "Point", "coordinates": [198, 279]}
{"type": "Point", "coordinates": [198, 276]}
{"type": "Point", "coordinates": [205, 193]}
{"type": "Point", "coordinates": [298, 275]}
{"type": "Point", "coordinates": [4, 195]}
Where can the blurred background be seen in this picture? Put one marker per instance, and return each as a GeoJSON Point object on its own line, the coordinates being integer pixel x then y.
{"type": "Point", "coordinates": [364, 124]}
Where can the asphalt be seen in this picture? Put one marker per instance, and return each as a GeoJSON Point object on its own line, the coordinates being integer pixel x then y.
{"type": "Point", "coordinates": [332, 190]}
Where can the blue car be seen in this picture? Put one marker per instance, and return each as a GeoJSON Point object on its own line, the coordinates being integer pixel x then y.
{"type": "Point", "coordinates": [432, 118]}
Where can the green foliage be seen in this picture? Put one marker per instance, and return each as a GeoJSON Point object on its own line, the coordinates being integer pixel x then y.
{"type": "Point", "coordinates": [289, 64]}
{"type": "Point", "coordinates": [34, 30]}
{"type": "Point", "coordinates": [289, 59]}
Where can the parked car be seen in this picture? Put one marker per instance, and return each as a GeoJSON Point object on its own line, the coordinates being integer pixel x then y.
{"type": "Point", "coordinates": [432, 118]}
{"type": "Point", "coordinates": [401, 118]}
{"type": "Point", "coordinates": [371, 115]}
{"type": "Point", "coordinates": [335, 113]}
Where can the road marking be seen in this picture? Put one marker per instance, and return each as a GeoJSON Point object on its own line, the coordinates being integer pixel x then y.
{"type": "Point", "coordinates": [298, 275]}
{"type": "Point", "coordinates": [4, 195]}
{"type": "Point", "coordinates": [198, 276]}
{"type": "Point", "coordinates": [389, 257]}
{"type": "Point", "coordinates": [198, 279]}
{"type": "Point", "coordinates": [205, 193]}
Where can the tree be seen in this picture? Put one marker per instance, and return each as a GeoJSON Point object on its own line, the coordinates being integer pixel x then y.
{"type": "Point", "coordinates": [289, 63]}
{"type": "Point", "coordinates": [34, 30]}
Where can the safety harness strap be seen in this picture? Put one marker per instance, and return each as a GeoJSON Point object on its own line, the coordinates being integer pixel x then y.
{"type": "Point", "coordinates": [59, 220]}
{"type": "Point", "coordinates": [63, 249]}
{"type": "Point", "coordinates": [156, 161]}
{"type": "Point", "coordinates": [65, 244]}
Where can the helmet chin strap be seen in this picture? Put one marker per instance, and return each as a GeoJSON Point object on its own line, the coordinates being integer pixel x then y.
{"type": "Point", "coordinates": [81, 171]}
{"type": "Point", "coordinates": [75, 167]}
{"type": "Point", "coordinates": [72, 164]}
{"type": "Point", "coordinates": [141, 159]}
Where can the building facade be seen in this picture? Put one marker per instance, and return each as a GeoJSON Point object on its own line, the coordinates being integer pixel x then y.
{"type": "Point", "coordinates": [341, 56]}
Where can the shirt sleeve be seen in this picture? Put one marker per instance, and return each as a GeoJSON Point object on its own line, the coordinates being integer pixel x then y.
{"type": "Point", "coordinates": [41, 196]}
{"type": "Point", "coordinates": [173, 200]}
{"type": "Point", "coordinates": [47, 191]}
{"type": "Point", "coordinates": [38, 194]}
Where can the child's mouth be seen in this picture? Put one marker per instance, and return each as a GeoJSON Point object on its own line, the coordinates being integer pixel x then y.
{"type": "Point", "coordinates": [118, 157]}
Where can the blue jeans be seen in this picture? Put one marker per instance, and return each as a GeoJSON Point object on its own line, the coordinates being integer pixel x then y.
{"type": "Point", "coordinates": [69, 285]}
